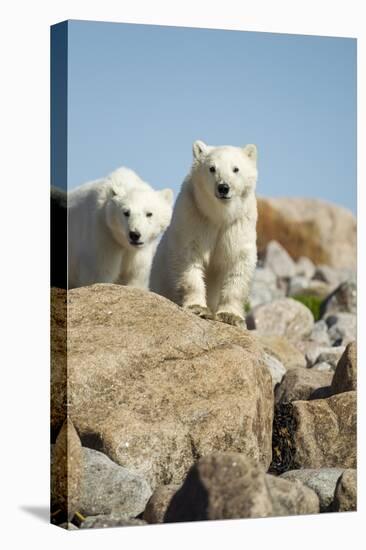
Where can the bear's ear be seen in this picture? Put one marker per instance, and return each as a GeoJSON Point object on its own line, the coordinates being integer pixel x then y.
{"type": "Point", "coordinates": [167, 195]}
{"type": "Point", "coordinates": [251, 151]}
{"type": "Point", "coordinates": [199, 148]}
{"type": "Point", "coordinates": [117, 188]}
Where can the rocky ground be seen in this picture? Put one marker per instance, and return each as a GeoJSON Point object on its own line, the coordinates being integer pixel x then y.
{"type": "Point", "coordinates": [166, 417]}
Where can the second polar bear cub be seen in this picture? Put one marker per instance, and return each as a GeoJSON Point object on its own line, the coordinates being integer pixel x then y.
{"type": "Point", "coordinates": [114, 225]}
{"type": "Point", "coordinates": [206, 258]}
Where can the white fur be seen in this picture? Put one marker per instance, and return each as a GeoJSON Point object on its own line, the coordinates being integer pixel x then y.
{"type": "Point", "coordinates": [99, 247]}
{"type": "Point", "coordinates": [207, 256]}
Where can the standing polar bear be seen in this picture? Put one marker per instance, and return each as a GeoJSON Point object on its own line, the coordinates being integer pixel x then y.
{"type": "Point", "coordinates": [206, 259]}
{"type": "Point", "coordinates": [114, 224]}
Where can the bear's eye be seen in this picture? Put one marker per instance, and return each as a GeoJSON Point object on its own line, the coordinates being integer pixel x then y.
{"type": "Point", "coordinates": [126, 213]}
{"type": "Point", "coordinates": [212, 169]}
{"type": "Point", "coordinates": [235, 169]}
{"type": "Point", "coordinates": [148, 214]}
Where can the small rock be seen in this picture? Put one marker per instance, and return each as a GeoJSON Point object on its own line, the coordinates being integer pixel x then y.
{"type": "Point", "coordinates": [230, 485]}
{"type": "Point", "coordinates": [342, 328]}
{"type": "Point", "coordinates": [282, 349]}
{"type": "Point", "coordinates": [101, 521]}
{"type": "Point", "coordinates": [291, 498]}
{"type": "Point", "coordinates": [331, 356]}
{"type": "Point", "coordinates": [264, 287]}
{"type": "Point", "coordinates": [159, 502]}
{"type": "Point", "coordinates": [299, 384]}
{"type": "Point", "coordinates": [327, 274]}
{"type": "Point", "coordinates": [345, 496]}
{"type": "Point", "coordinates": [305, 267]}
{"type": "Point", "coordinates": [110, 488]}
{"type": "Point", "coordinates": [319, 289]}
{"type": "Point", "coordinates": [342, 299]}
{"type": "Point", "coordinates": [275, 367]}
{"type": "Point", "coordinates": [325, 433]}
{"type": "Point", "coordinates": [345, 376]}
{"type": "Point", "coordinates": [67, 470]}
{"type": "Point", "coordinates": [319, 334]}
{"type": "Point", "coordinates": [322, 481]}
{"type": "Point", "coordinates": [278, 260]}
{"type": "Point", "coordinates": [298, 285]}
{"type": "Point", "coordinates": [284, 317]}
{"type": "Point", "coordinates": [311, 351]}
{"type": "Point", "coordinates": [322, 367]}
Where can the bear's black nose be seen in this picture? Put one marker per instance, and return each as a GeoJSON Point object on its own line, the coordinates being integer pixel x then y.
{"type": "Point", "coordinates": [223, 188]}
{"type": "Point", "coordinates": [135, 236]}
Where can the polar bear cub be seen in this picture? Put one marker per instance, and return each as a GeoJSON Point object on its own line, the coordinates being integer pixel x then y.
{"type": "Point", "coordinates": [114, 225]}
{"type": "Point", "coordinates": [206, 259]}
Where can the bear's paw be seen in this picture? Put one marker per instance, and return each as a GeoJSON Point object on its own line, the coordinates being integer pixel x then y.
{"type": "Point", "coordinates": [201, 311]}
{"type": "Point", "coordinates": [230, 319]}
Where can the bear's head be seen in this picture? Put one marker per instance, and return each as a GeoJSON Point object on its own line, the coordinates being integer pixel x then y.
{"type": "Point", "coordinates": [224, 175]}
{"type": "Point", "coordinates": [137, 216]}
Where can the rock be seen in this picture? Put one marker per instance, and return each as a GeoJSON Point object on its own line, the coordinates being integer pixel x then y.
{"type": "Point", "coordinates": [321, 231]}
{"type": "Point", "coordinates": [278, 260]}
{"type": "Point", "coordinates": [58, 359]}
{"type": "Point", "coordinates": [67, 470]}
{"type": "Point", "coordinates": [300, 383]}
{"type": "Point", "coordinates": [291, 498]}
{"type": "Point", "coordinates": [264, 287]}
{"type": "Point", "coordinates": [345, 495]}
{"type": "Point", "coordinates": [275, 367]}
{"type": "Point", "coordinates": [345, 376]}
{"type": "Point", "coordinates": [331, 356]}
{"type": "Point", "coordinates": [319, 334]}
{"type": "Point", "coordinates": [304, 267]}
{"type": "Point", "coordinates": [325, 433]}
{"type": "Point", "coordinates": [300, 286]}
{"type": "Point", "coordinates": [281, 349]}
{"type": "Point", "coordinates": [157, 387]}
{"type": "Point", "coordinates": [311, 351]}
{"type": "Point", "coordinates": [297, 285]}
{"type": "Point", "coordinates": [322, 482]}
{"type": "Point", "coordinates": [318, 289]}
{"type": "Point", "coordinates": [285, 317]}
{"type": "Point", "coordinates": [327, 274]}
{"type": "Point", "coordinates": [229, 486]}
{"type": "Point", "coordinates": [342, 328]}
{"type": "Point", "coordinates": [159, 502]}
{"type": "Point", "coordinates": [102, 521]}
{"type": "Point", "coordinates": [343, 299]}
{"type": "Point", "coordinates": [111, 489]}
{"type": "Point", "coordinates": [322, 367]}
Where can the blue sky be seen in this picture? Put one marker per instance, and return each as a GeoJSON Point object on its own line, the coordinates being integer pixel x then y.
{"type": "Point", "coordinates": [140, 95]}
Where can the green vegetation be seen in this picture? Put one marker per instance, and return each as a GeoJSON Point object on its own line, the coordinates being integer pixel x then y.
{"type": "Point", "coordinates": [311, 302]}
{"type": "Point", "coordinates": [247, 307]}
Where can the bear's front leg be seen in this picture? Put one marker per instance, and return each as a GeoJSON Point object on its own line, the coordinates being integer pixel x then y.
{"type": "Point", "coordinates": [234, 292]}
{"type": "Point", "coordinates": [192, 290]}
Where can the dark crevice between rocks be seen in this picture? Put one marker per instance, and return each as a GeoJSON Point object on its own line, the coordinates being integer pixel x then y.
{"type": "Point", "coordinates": [283, 444]}
{"type": "Point", "coordinates": [92, 441]}
{"type": "Point", "coordinates": [190, 502]}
